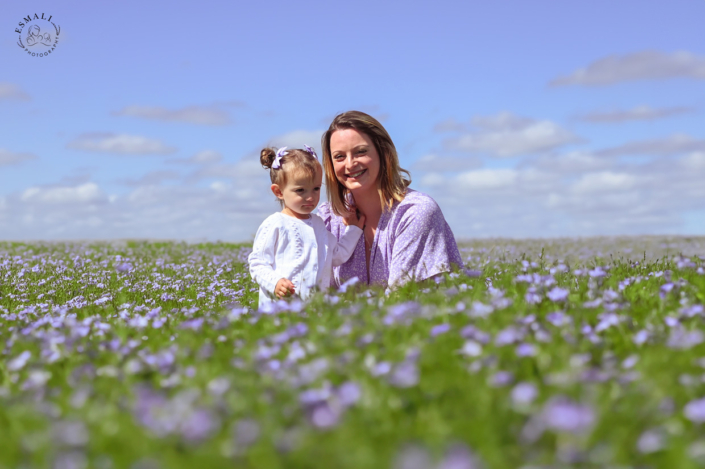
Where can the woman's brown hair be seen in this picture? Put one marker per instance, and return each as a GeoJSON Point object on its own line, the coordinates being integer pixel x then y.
{"type": "Point", "coordinates": [390, 181]}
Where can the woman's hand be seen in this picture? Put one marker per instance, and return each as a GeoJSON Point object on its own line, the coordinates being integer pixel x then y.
{"type": "Point", "coordinates": [351, 218]}
{"type": "Point", "coordinates": [284, 288]}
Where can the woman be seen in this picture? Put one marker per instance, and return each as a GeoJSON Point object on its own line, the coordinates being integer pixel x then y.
{"type": "Point", "coordinates": [406, 236]}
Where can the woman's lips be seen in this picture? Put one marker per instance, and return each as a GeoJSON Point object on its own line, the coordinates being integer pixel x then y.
{"type": "Point", "coordinates": [356, 173]}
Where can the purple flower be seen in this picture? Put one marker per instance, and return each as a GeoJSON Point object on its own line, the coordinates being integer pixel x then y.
{"type": "Point", "coordinates": [671, 321]}
{"type": "Point", "coordinates": [564, 415]}
{"type": "Point", "coordinates": [348, 393]}
{"type": "Point", "coordinates": [19, 361]}
{"type": "Point", "coordinates": [640, 337]}
{"type": "Point", "coordinates": [480, 310]}
{"type": "Point", "coordinates": [472, 273]}
{"type": "Point", "coordinates": [610, 295]}
{"type": "Point", "coordinates": [471, 349]}
{"type": "Point", "coordinates": [597, 272]}
{"type": "Point", "coordinates": [508, 335]}
{"type": "Point", "coordinates": [525, 350]}
{"type": "Point", "coordinates": [439, 329]}
{"type": "Point", "coordinates": [246, 432]}
{"type": "Point", "coordinates": [524, 393]}
{"type": "Point", "coordinates": [558, 294]}
{"type": "Point", "coordinates": [650, 441]}
{"type": "Point", "coordinates": [472, 332]}
{"type": "Point", "coordinates": [558, 318]}
{"type": "Point", "coordinates": [695, 410]}
{"type": "Point", "coordinates": [324, 415]}
{"type": "Point", "coordinates": [193, 324]}
{"type": "Point", "coordinates": [36, 379]}
{"type": "Point", "coordinates": [70, 459]}
{"type": "Point", "coordinates": [532, 297]}
{"type": "Point", "coordinates": [405, 375]}
{"type": "Point", "coordinates": [70, 433]}
{"type": "Point", "coordinates": [124, 267]}
{"type": "Point", "coordinates": [665, 289]}
{"type": "Point", "coordinates": [607, 320]}
{"type": "Point", "coordinates": [314, 396]}
{"type": "Point", "coordinates": [381, 368]}
{"type": "Point", "coordinates": [630, 361]}
{"type": "Point", "coordinates": [501, 379]}
{"type": "Point", "coordinates": [402, 311]}
{"type": "Point", "coordinates": [458, 456]}
{"type": "Point", "coordinates": [682, 339]}
{"type": "Point", "coordinates": [412, 457]}
{"type": "Point", "coordinates": [690, 311]}
{"type": "Point", "coordinates": [199, 425]}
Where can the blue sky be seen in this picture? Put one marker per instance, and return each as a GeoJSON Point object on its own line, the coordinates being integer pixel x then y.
{"type": "Point", "coordinates": [522, 119]}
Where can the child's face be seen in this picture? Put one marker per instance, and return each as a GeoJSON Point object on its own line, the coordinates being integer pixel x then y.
{"type": "Point", "coordinates": [300, 194]}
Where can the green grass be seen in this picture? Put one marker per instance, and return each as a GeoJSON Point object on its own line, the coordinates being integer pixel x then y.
{"type": "Point", "coordinates": [98, 371]}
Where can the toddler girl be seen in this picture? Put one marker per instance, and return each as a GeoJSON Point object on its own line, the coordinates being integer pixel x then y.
{"type": "Point", "coordinates": [293, 252]}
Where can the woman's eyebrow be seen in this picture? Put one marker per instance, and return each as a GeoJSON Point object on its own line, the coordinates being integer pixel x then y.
{"type": "Point", "coordinates": [362, 145]}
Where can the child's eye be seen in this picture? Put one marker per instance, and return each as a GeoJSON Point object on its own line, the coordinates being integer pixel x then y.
{"type": "Point", "coordinates": [299, 191]}
{"type": "Point", "coordinates": [316, 189]}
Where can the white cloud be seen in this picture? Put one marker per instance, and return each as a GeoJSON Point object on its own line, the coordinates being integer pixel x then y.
{"type": "Point", "coordinates": [445, 163]}
{"type": "Point", "coordinates": [587, 196]}
{"type": "Point", "coordinates": [694, 162]}
{"type": "Point", "coordinates": [84, 193]}
{"type": "Point", "coordinates": [120, 144]}
{"type": "Point", "coordinates": [8, 157]}
{"type": "Point", "coordinates": [202, 157]}
{"type": "Point", "coordinates": [672, 145]}
{"type": "Point", "coordinates": [206, 156]}
{"type": "Point", "coordinates": [570, 162]}
{"type": "Point", "coordinates": [637, 113]}
{"type": "Point", "coordinates": [218, 200]}
{"type": "Point", "coordinates": [200, 115]}
{"type": "Point", "coordinates": [165, 212]}
{"type": "Point", "coordinates": [12, 91]}
{"type": "Point", "coordinates": [604, 181]}
{"type": "Point", "coordinates": [507, 135]}
{"type": "Point", "coordinates": [483, 180]}
{"type": "Point", "coordinates": [299, 138]}
{"type": "Point", "coordinates": [151, 178]}
{"type": "Point", "coordinates": [644, 65]}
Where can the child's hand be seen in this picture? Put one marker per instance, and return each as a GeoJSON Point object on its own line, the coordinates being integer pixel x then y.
{"type": "Point", "coordinates": [284, 288]}
{"type": "Point", "coordinates": [351, 218]}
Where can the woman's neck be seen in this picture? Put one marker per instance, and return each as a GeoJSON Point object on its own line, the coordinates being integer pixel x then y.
{"type": "Point", "coordinates": [368, 204]}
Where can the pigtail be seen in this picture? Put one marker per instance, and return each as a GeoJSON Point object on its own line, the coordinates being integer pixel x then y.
{"type": "Point", "coordinates": [266, 157]}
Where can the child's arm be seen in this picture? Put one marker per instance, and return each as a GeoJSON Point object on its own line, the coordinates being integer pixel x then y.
{"type": "Point", "coordinates": [261, 261]}
{"type": "Point", "coordinates": [343, 248]}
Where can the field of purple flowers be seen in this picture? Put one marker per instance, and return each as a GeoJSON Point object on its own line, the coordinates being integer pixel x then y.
{"type": "Point", "coordinates": [540, 353]}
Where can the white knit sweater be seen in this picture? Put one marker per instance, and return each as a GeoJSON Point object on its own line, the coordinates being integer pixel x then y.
{"type": "Point", "coordinates": [302, 251]}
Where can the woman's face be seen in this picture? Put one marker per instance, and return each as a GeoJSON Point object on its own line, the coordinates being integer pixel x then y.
{"type": "Point", "coordinates": [355, 160]}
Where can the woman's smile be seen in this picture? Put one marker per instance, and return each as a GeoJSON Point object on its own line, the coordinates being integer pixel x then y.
{"type": "Point", "coordinates": [356, 174]}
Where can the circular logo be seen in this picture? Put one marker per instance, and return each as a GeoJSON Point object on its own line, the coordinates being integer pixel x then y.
{"type": "Point", "coordinates": [39, 36]}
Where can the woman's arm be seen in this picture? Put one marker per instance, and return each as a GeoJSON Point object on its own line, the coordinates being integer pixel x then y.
{"type": "Point", "coordinates": [343, 248]}
{"type": "Point", "coordinates": [424, 245]}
